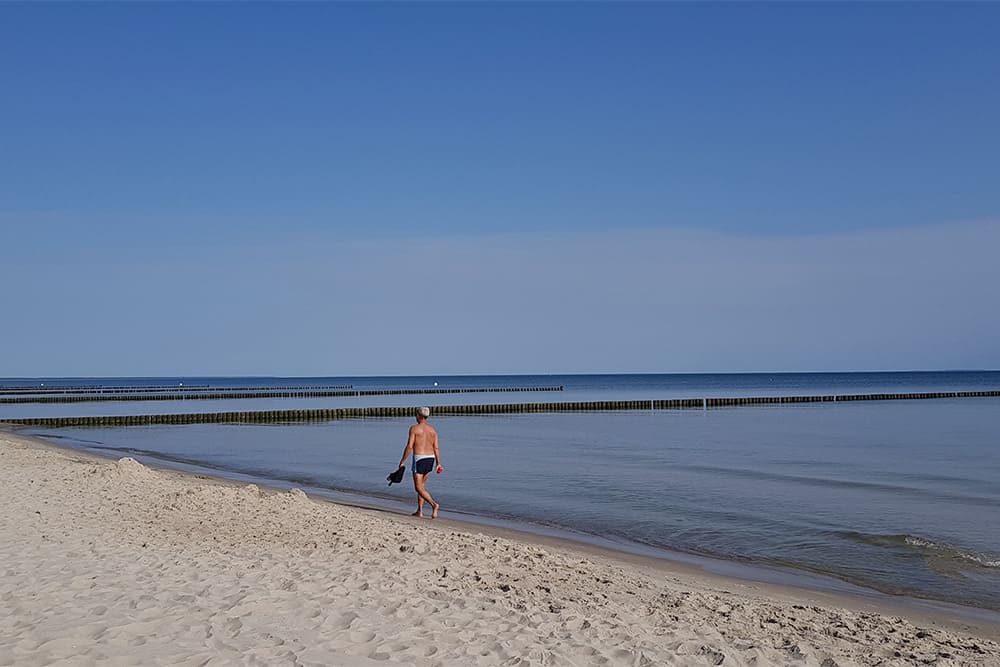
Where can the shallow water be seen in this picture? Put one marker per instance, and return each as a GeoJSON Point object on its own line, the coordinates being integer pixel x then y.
{"type": "Point", "coordinates": [901, 496]}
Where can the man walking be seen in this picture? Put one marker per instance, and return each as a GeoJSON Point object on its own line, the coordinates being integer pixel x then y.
{"type": "Point", "coordinates": [422, 445]}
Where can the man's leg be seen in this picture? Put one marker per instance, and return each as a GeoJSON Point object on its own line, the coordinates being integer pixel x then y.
{"type": "Point", "coordinates": [420, 501]}
{"type": "Point", "coordinates": [419, 482]}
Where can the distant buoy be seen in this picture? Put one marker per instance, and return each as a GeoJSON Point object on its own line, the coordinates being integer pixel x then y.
{"type": "Point", "coordinates": [435, 384]}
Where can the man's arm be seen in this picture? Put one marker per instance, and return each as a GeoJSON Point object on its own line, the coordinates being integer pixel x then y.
{"type": "Point", "coordinates": [437, 454]}
{"type": "Point", "coordinates": [409, 448]}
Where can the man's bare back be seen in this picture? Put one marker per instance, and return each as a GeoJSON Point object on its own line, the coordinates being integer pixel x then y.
{"type": "Point", "coordinates": [424, 439]}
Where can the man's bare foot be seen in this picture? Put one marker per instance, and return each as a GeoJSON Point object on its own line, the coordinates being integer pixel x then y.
{"type": "Point", "coordinates": [434, 514]}
{"type": "Point", "coordinates": [418, 513]}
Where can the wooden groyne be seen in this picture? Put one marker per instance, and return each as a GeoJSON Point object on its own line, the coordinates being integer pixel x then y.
{"type": "Point", "coordinates": [162, 389]}
{"type": "Point", "coordinates": [293, 393]}
{"type": "Point", "coordinates": [50, 388]}
{"type": "Point", "coordinates": [276, 416]}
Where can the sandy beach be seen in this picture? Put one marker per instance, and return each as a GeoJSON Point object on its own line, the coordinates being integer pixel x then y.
{"type": "Point", "coordinates": [112, 562]}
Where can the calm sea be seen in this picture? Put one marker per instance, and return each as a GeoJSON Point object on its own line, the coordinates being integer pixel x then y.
{"type": "Point", "coordinates": [898, 496]}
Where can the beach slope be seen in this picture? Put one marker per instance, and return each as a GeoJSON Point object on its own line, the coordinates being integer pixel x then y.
{"type": "Point", "coordinates": [105, 562]}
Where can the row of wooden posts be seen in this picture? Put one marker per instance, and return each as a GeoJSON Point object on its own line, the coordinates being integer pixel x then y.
{"type": "Point", "coordinates": [275, 416]}
{"type": "Point", "coordinates": [307, 393]}
{"type": "Point", "coordinates": [171, 389]}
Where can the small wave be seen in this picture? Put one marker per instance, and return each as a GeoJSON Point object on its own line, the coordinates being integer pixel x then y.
{"type": "Point", "coordinates": [70, 438]}
{"type": "Point", "coordinates": [983, 560]}
{"type": "Point", "coordinates": [926, 545]}
{"type": "Point", "coordinates": [894, 488]}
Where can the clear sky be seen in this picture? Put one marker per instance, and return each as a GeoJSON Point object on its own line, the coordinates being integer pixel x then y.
{"type": "Point", "coordinates": [415, 188]}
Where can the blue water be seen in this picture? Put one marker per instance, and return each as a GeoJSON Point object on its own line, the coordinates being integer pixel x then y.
{"type": "Point", "coordinates": [900, 496]}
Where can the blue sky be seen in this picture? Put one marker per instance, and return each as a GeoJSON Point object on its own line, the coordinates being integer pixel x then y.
{"type": "Point", "coordinates": [309, 189]}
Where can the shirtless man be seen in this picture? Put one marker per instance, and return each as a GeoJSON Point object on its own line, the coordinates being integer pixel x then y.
{"type": "Point", "coordinates": [423, 446]}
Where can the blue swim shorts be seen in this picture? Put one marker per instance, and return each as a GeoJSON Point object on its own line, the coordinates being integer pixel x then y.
{"type": "Point", "coordinates": [424, 466]}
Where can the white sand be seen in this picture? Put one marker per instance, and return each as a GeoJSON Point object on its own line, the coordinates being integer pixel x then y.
{"type": "Point", "coordinates": [114, 563]}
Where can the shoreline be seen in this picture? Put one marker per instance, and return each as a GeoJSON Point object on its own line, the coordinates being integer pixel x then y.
{"type": "Point", "coordinates": [785, 577]}
{"type": "Point", "coordinates": [225, 570]}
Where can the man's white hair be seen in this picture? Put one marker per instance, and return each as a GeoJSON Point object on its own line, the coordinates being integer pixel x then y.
{"type": "Point", "coordinates": [423, 412]}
